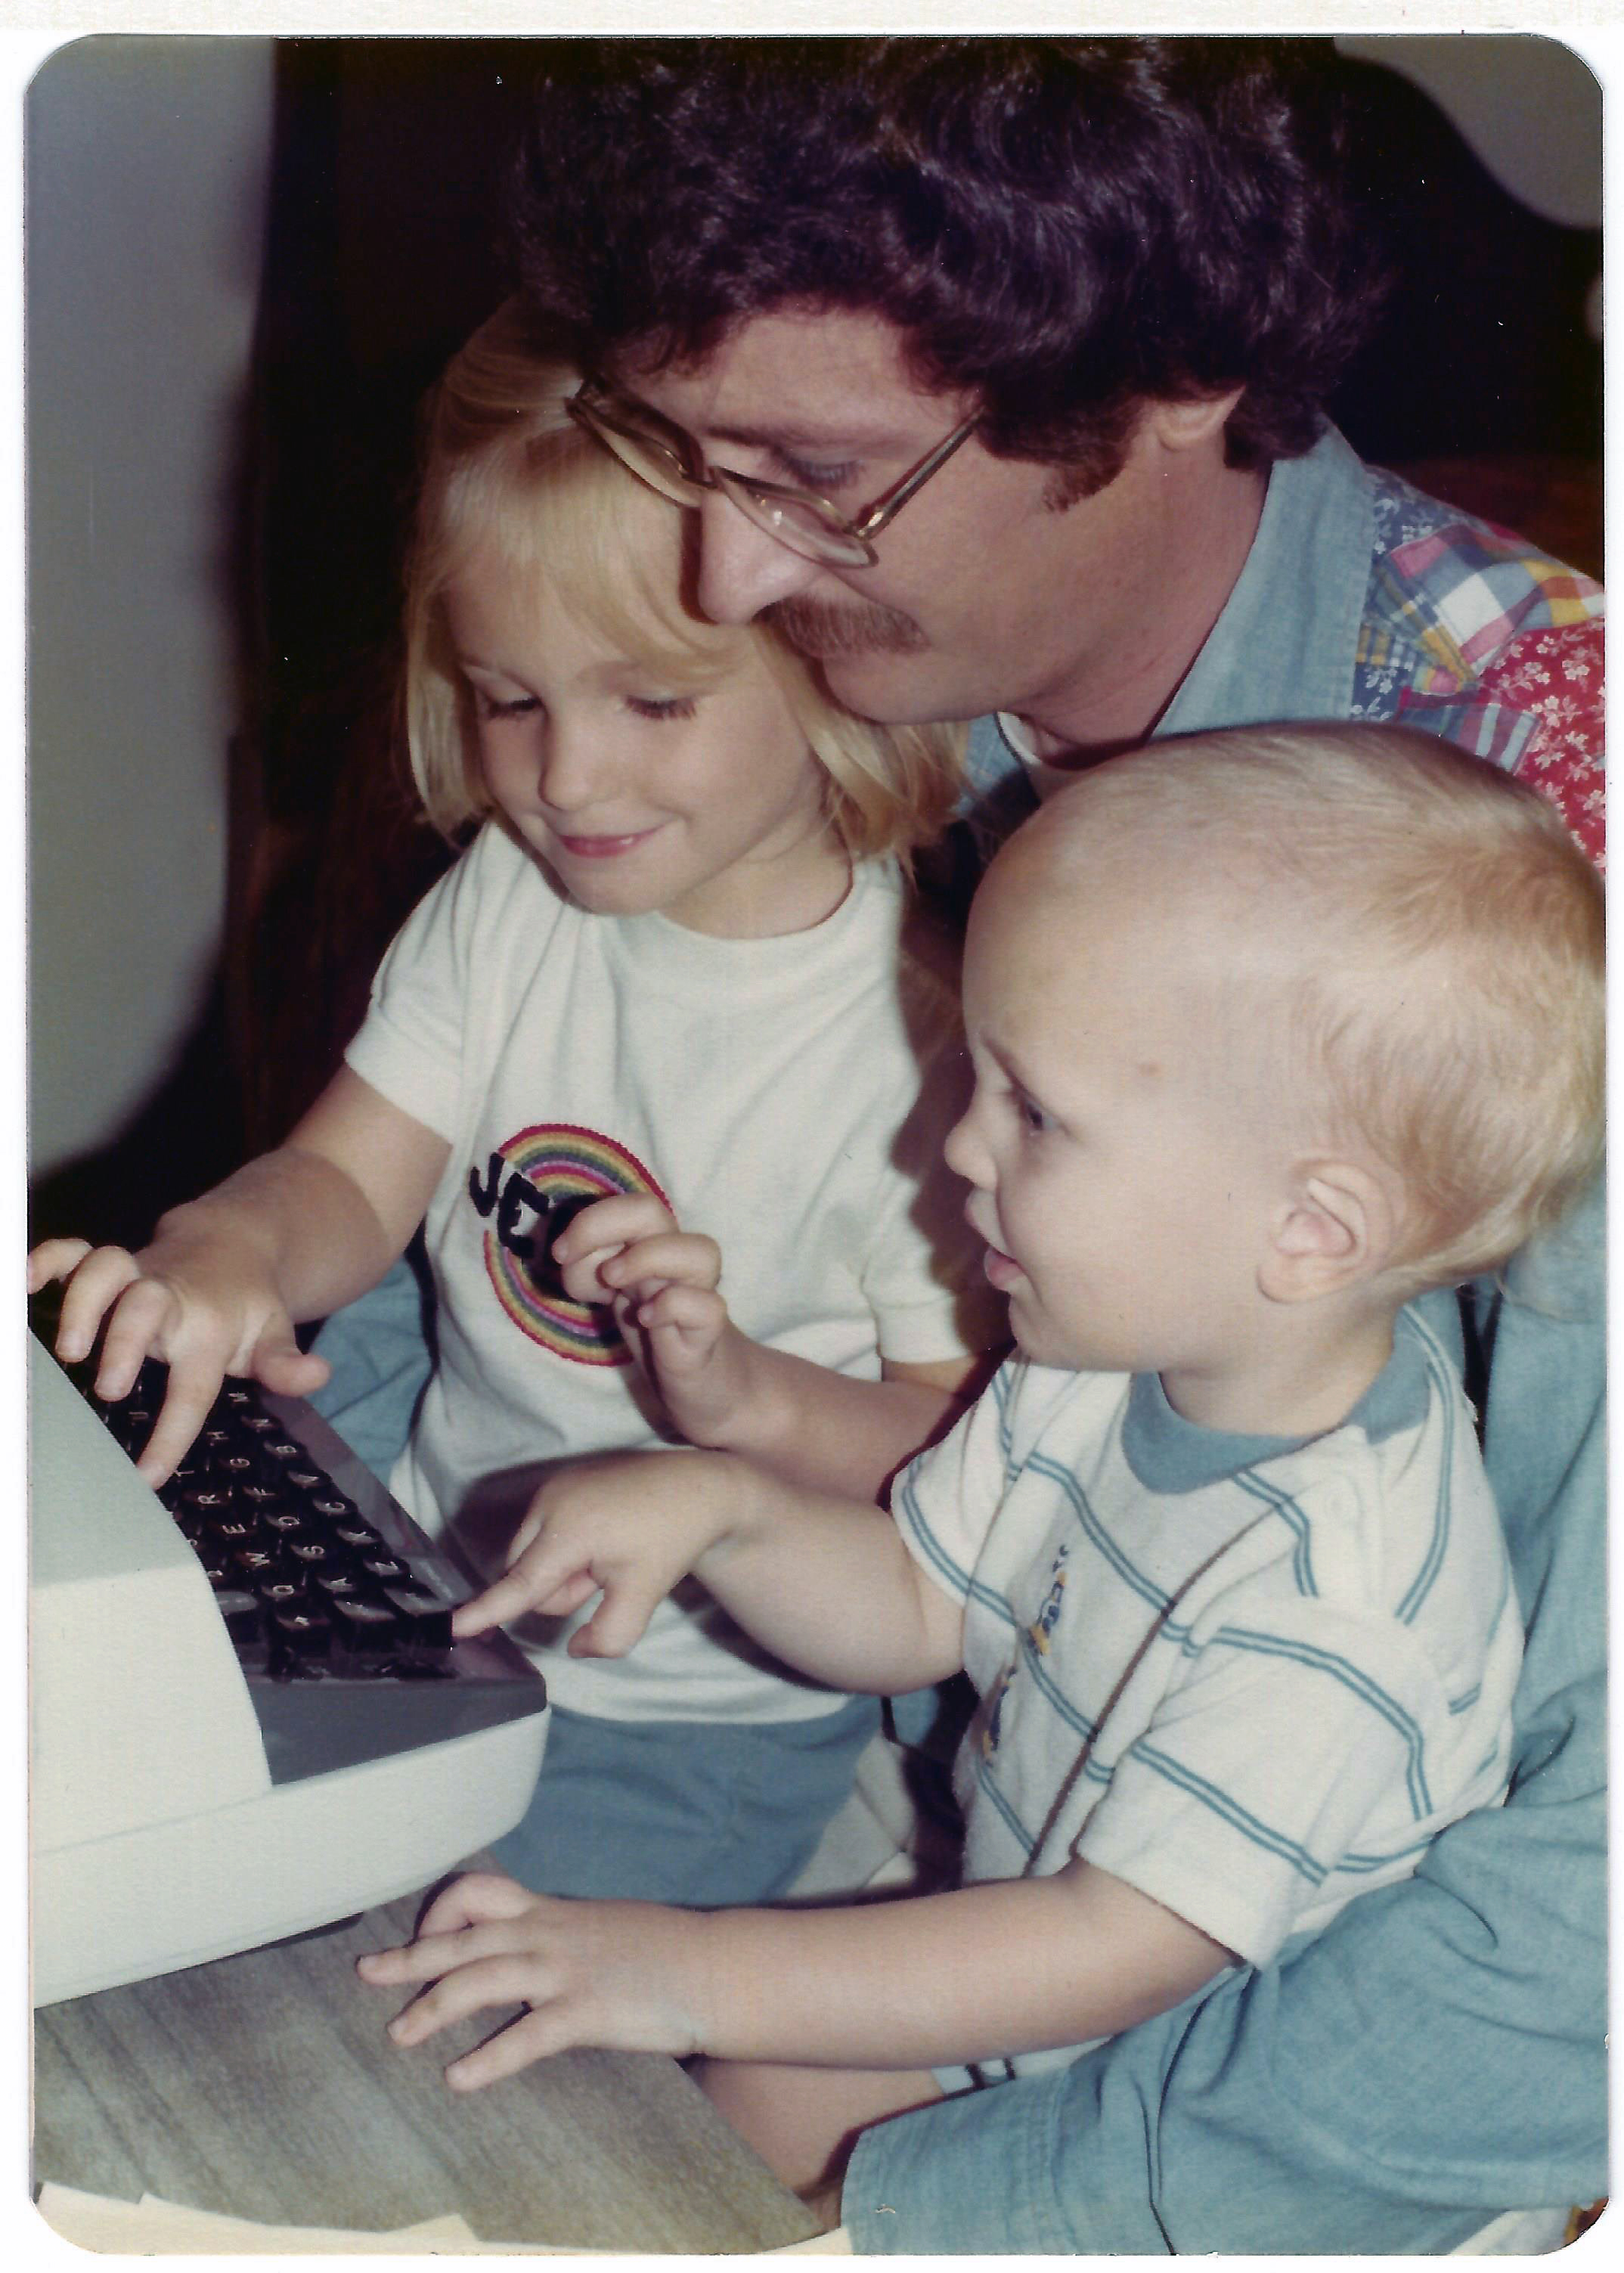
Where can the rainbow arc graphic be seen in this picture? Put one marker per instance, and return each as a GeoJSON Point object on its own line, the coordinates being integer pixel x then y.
{"type": "Point", "coordinates": [563, 1168]}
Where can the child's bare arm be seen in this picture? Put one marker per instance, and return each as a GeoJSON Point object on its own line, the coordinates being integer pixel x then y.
{"type": "Point", "coordinates": [1015, 1966]}
{"type": "Point", "coordinates": [825, 1583]}
{"type": "Point", "coordinates": [804, 1422]}
{"type": "Point", "coordinates": [226, 1277]}
{"type": "Point", "coordinates": [814, 1426]}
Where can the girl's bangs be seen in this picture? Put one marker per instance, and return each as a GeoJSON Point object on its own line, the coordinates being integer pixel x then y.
{"type": "Point", "coordinates": [564, 514]}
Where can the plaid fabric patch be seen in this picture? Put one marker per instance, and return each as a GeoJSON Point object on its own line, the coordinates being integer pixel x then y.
{"type": "Point", "coordinates": [1469, 635]}
{"type": "Point", "coordinates": [1474, 589]}
{"type": "Point", "coordinates": [1488, 729]}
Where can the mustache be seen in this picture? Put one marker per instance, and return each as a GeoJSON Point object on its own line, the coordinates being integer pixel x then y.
{"type": "Point", "coordinates": [817, 628]}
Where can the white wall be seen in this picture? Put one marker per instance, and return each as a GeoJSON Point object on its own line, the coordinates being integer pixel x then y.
{"type": "Point", "coordinates": [147, 162]}
{"type": "Point", "coordinates": [1529, 107]}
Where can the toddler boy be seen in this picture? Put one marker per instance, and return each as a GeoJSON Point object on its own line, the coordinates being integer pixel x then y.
{"type": "Point", "coordinates": [1271, 1028]}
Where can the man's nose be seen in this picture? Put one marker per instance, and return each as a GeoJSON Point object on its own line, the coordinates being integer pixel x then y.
{"type": "Point", "coordinates": [742, 569]}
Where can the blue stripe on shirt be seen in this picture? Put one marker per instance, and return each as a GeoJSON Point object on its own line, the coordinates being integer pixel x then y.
{"type": "Point", "coordinates": [958, 1581]}
{"type": "Point", "coordinates": [1286, 1508]}
{"type": "Point", "coordinates": [1260, 1834]}
{"type": "Point", "coordinates": [1354, 1678]}
{"type": "Point", "coordinates": [1052, 1694]}
{"type": "Point", "coordinates": [1446, 1381]}
{"type": "Point", "coordinates": [1096, 1533]}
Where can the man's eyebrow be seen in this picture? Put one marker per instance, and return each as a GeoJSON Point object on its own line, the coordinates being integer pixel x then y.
{"type": "Point", "coordinates": [793, 431]}
{"type": "Point", "coordinates": [848, 439]}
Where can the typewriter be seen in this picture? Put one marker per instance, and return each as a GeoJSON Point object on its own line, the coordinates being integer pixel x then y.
{"type": "Point", "coordinates": [249, 1715]}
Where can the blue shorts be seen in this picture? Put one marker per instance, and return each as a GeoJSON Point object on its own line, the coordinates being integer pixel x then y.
{"type": "Point", "coordinates": [699, 1813]}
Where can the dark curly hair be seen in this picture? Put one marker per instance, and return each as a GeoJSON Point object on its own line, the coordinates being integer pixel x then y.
{"type": "Point", "coordinates": [1063, 227]}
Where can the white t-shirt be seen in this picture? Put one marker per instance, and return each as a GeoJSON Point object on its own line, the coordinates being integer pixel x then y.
{"type": "Point", "coordinates": [787, 1096]}
{"type": "Point", "coordinates": [1251, 1677]}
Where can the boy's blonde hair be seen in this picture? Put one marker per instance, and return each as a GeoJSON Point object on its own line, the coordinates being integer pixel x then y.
{"type": "Point", "coordinates": [1421, 947]}
{"type": "Point", "coordinates": [505, 467]}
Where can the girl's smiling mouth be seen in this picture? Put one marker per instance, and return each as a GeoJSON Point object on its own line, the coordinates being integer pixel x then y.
{"type": "Point", "coordinates": [602, 848]}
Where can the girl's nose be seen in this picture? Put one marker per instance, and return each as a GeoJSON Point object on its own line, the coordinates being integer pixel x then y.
{"type": "Point", "coordinates": [742, 569]}
{"type": "Point", "coordinates": [574, 767]}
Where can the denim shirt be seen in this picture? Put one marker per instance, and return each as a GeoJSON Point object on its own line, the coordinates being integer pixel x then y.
{"type": "Point", "coordinates": [1363, 598]}
{"type": "Point", "coordinates": [1437, 2056]}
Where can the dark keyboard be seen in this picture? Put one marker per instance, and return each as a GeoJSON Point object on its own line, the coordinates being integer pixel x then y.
{"type": "Point", "coordinates": [337, 1605]}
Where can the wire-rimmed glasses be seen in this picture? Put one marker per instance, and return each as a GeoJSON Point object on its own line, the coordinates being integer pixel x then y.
{"type": "Point", "coordinates": [668, 460]}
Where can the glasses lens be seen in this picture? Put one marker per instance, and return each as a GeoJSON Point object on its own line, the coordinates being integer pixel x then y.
{"type": "Point", "coordinates": [807, 525]}
{"type": "Point", "coordinates": [647, 455]}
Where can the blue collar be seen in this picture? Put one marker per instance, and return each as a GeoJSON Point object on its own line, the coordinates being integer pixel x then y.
{"type": "Point", "coordinates": [1284, 645]}
{"type": "Point", "coordinates": [1171, 1454]}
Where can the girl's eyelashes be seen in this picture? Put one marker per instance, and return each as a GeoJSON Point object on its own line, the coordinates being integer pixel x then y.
{"type": "Point", "coordinates": [489, 705]}
{"type": "Point", "coordinates": [667, 706]}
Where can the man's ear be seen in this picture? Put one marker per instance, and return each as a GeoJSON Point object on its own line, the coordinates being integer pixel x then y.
{"type": "Point", "coordinates": [1338, 1225]}
{"type": "Point", "coordinates": [1182, 426]}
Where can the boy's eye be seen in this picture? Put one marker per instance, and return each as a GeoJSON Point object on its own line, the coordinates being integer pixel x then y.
{"type": "Point", "coordinates": [668, 706]}
{"type": "Point", "coordinates": [1034, 1119]}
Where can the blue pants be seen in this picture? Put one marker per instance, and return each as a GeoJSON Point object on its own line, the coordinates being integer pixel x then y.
{"type": "Point", "coordinates": [698, 1812]}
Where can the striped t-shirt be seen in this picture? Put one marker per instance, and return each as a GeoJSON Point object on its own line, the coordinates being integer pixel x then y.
{"type": "Point", "coordinates": [1250, 1676]}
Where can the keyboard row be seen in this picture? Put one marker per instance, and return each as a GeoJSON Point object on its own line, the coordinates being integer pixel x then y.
{"type": "Point", "coordinates": [307, 1587]}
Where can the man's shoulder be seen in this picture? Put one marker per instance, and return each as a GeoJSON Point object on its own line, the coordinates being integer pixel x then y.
{"type": "Point", "coordinates": [1470, 632]}
{"type": "Point", "coordinates": [1456, 590]}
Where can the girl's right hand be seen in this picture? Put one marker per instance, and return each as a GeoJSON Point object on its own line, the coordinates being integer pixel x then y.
{"type": "Point", "coordinates": [186, 1299]}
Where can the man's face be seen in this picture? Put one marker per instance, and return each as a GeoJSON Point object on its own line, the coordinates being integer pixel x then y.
{"type": "Point", "coordinates": [984, 596]}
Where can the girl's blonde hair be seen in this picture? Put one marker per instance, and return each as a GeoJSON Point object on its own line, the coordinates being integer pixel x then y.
{"type": "Point", "coordinates": [505, 467]}
{"type": "Point", "coordinates": [1418, 943]}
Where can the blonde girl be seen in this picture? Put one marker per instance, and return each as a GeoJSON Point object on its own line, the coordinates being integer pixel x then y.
{"type": "Point", "coordinates": [670, 1015]}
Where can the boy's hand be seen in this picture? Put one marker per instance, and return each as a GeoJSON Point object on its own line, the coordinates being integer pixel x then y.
{"type": "Point", "coordinates": [206, 1311]}
{"type": "Point", "coordinates": [627, 1977]}
{"type": "Point", "coordinates": [662, 1283]}
{"type": "Point", "coordinates": [629, 1524]}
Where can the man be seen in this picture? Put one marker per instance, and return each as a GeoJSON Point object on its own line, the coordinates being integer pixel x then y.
{"type": "Point", "coordinates": [993, 369]}
{"type": "Point", "coordinates": [1045, 326]}
{"type": "Point", "coordinates": [1081, 301]}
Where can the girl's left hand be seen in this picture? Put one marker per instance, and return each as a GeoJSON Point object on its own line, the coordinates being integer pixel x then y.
{"type": "Point", "coordinates": [662, 1283]}
{"type": "Point", "coordinates": [626, 1976]}
{"type": "Point", "coordinates": [624, 1250]}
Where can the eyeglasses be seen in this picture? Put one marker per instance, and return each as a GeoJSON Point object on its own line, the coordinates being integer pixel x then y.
{"type": "Point", "coordinates": [668, 460]}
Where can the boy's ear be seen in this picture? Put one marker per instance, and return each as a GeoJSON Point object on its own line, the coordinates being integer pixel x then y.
{"type": "Point", "coordinates": [1338, 1225]}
